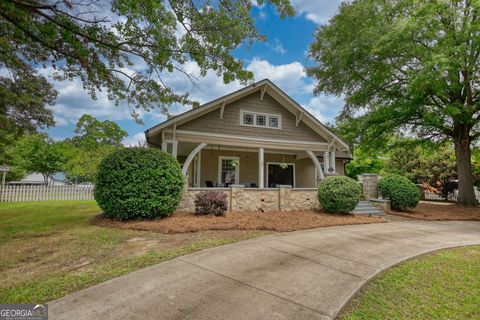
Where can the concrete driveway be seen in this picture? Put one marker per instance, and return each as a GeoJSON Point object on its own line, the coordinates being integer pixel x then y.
{"type": "Point", "coordinates": [299, 275]}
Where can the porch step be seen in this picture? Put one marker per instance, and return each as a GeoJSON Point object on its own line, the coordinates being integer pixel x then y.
{"type": "Point", "coordinates": [365, 208]}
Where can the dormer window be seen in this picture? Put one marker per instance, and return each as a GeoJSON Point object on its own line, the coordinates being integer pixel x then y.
{"type": "Point", "coordinates": [262, 120]}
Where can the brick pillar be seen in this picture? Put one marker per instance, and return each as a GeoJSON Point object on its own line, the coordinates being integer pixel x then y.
{"type": "Point", "coordinates": [370, 185]}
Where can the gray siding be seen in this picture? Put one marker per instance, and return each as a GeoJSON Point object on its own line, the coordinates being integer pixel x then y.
{"type": "Point", "coordinates": [230, 124]}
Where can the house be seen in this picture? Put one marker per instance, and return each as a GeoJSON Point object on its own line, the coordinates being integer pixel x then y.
{"type": "Point", "coordinates": [35, 178]}
{"type": "Point", "coordinates": [255, 137]}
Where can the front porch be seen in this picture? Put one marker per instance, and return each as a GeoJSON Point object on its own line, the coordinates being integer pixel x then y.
{"type": "Point", "coordinates": [214, 165]}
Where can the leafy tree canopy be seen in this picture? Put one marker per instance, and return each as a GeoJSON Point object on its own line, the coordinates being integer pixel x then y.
{"type": "Point", "coordinates": [406, 65]}
{"type": "Point", "coordinates": [126, 47]}
{"type": "Point", "coordinates": [93, 141]}
{"type": "Point", "coordinates": [90, 133]}
{"type": "Point", "coordinates": [37, 153]}
{"type": "Point", "coordinates": [23, 100]}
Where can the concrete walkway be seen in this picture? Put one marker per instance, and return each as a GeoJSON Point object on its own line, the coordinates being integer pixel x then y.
{"type": "Point", "coordinates": [299, 275]}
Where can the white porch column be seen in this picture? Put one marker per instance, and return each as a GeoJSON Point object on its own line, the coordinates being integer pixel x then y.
{"type": "Point", "coordinates": [332, 161]}
{"type": "Point", "coordinates": [317, 163]}
{"type": "Point", "coordinates": [261, 167]}
{"type": "Point", "coordinates": [164, 146]}
{"type": "Point", "coordinates": [191, 156]}
{"type": "Point", "coordinates": [174, 149]}
{"type": "Point", "coordinates": [326, 161]}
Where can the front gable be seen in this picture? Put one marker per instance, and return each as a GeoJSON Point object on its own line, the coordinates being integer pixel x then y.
{"type": "Point", "coordinates": [221, 118]}
{"type": "Point", "coordinates": [230, 121]}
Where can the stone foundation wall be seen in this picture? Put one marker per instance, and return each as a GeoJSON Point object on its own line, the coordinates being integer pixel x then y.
{"type": "Point", "coordinates": [381, 204]}
{"type": "Point", "coordinates": [370, 185]}
{"type": "Point", "coordinates": [255, 199]}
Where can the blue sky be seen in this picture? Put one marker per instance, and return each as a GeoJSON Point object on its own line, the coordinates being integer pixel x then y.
{"type": "Point", "coordinates": [282, 59]}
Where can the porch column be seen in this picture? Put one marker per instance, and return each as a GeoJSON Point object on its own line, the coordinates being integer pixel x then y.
{"type": "Point", "coordinates": [174, 149]}
{"type": "Point", "coordinates": [261, 167]}
{"type": "Point", "coordinates": [191, 156]}
{"type": "Point", "coordinates": [332, 162]}
{"type": "Point", "coordinates": [326, 161]}
{"type": "Point", "coordinates": [317, 163]}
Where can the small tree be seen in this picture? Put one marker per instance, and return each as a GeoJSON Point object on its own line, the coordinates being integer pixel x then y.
{"type": "Point", "coordinates": [37, 153]}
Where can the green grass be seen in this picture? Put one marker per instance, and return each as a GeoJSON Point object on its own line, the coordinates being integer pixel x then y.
{"type": "Point", "coordinates": [50, 249]}
{"type": "Point", "coordinates": [442, 285]}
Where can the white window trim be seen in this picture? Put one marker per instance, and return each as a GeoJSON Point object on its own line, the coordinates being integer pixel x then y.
{"type": "Point", "coordinates": [278, 163]}
{"type": "Point", "coordinates": [237, 169]}
{"type": "Point", "coordinates": [267, 115]}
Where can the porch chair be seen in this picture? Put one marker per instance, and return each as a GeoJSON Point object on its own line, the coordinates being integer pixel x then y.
{"type": "Point", "coordinates": [209, 184]}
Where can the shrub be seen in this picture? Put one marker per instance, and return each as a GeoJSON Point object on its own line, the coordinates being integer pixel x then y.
{"type": "Point", "coordinates": [403, 193]}
{"type": "Point", "coordinates": [339, 194]}
{"type": "Point", "coordinates": [138, 183]}
{"type": "Point", "coordinates": [207, 202]}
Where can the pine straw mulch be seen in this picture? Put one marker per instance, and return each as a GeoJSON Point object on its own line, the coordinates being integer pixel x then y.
{"type": "Point", "coordinates": [273, 221]}
{"type": "Point", "coordinates": [441, 211]}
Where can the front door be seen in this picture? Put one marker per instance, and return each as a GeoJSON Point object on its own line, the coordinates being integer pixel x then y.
{"type": "Point", "coordinates": [280, 176]}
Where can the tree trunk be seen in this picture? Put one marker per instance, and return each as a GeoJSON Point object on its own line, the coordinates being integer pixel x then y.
{"type": "Point", "coordinates": [466, 193]}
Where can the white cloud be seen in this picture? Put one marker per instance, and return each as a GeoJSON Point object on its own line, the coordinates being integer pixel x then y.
{"type": "Point", "coordinates": [135, 140]}
{"type": "Point", "coordinates": [278, 47]}
{"type": "Point", "coordinates": [73, 100]}
{"type": "Point", "coordinates": [325, 108]}
{"type": "Point", "coordinates": [318, 11]}
{"type": "Point", "coordinates": [290, 77]}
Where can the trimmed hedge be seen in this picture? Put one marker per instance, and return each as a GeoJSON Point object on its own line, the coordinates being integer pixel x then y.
{"type": "Point", "coordinates": [339, 194]}
{"type": "Point", "coordinates": [402, 193]}
{"type": "Point", "coordinates": [135, 183]}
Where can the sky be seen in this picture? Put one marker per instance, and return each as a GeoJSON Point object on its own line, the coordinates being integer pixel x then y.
{"type": "Point", "coordinates": [282, 59]}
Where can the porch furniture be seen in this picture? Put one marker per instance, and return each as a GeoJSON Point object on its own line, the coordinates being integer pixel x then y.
{"type": "Point", "coordinates": [209, 184]}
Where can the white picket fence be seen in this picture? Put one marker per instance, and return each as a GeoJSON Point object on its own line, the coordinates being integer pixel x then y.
{"type": "Point", "coordinates": [45, 193]}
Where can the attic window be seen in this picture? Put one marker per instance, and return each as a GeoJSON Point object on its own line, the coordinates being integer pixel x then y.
{"type": "Point", "coordinates": [248, 119]}
{"type": "Point", "coordinates": [263, 120]}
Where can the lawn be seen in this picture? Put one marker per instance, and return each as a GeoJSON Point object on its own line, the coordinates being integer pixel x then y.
{"type": "Point", "coordinates": [442, 285]}
{"type": "Point", "coordinates": [50, 249]}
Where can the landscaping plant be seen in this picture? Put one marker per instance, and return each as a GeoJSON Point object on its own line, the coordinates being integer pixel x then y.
{"type": "Point", "coordinates": [339, 194]}
{"type": "Point", "coordinates": [211, 202]}
{"type": "Point", "coordinates": [403, 193]}
{"type": "Point", "coordinates": [138, 183]}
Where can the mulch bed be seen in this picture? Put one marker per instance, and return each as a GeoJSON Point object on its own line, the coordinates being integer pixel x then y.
{"type": "Point", "coordinates": [442, 211]}
{"type": "Point", "coordinates": [273, 221]}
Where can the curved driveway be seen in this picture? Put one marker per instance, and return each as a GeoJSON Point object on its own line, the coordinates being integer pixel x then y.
{"type": "Point", "coordinates": [307, 274]}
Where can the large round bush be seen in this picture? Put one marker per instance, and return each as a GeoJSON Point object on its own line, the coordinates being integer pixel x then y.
{"type": "Point", "coordinates": [138, 183]}
{"type": "Point", "coordinates": [339, 194]}
{"type": "Point", "coordinates": [402, 193]}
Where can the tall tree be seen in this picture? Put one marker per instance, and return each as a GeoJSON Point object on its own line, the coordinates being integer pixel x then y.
{"type": "Point", "coordinates": [90, 133]}
{"type": "Point", "coordinates": [128, 48]}
{"type": "Point", "coordinates": [93, 141]}
{"type": "Point", "coordinates": [407, 65]}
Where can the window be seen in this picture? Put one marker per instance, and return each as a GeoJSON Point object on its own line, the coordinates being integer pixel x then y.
{"type": "Point", "coordinates": [273, 121]}
{"type": "Point", "coordinates": [248, 119]}
{"type": "Point", "coordinates": [260, 120]}
{"type": "Point", "coordinates": [228, 170]}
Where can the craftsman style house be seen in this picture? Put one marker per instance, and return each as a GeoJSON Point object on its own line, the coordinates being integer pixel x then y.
{"type": "Point", "coordinates": [256, 137]}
